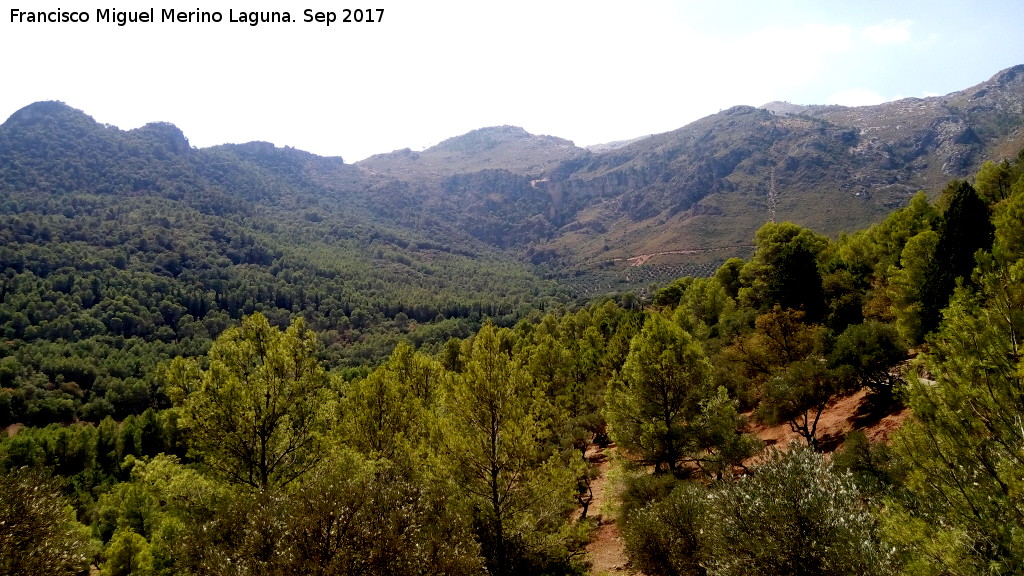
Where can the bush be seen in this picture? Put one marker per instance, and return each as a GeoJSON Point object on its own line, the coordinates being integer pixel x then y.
{"type": "Point", "coordinates": [795, 515]}
{"type": "Point", "coordinates": [39, 533]}
{"type": "Point", "coordinates": [667, 539]}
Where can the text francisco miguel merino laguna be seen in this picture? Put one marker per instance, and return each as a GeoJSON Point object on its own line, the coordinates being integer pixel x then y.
{"type": "Point", "coordinates": [123, 17]}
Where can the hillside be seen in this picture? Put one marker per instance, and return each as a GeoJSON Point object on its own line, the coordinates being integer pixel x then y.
{"type": "Point", "coordinates": [193, 375]}
{"type": "Point", "coordinates": [496, 148]}
{"type": "Point", "coordinates": [615, 217]}
{"type": "Point", "coordinates": [682, 202]}
{"type": "Point", "coordinates": [122, 249]}
{"type": "Point", "coordinates": [138, 235]}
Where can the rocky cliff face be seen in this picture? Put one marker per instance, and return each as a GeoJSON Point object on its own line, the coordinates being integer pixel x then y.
{"type": "Point", "coordinates": [948, 135]}
{"type": "Point", "coordinates": [883, 152]}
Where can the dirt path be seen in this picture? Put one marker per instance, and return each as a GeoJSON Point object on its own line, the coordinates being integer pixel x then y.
{"type": "Point", "coordinates": [642, 259]}
{"type": "Point", "coordinates": [606, 550]}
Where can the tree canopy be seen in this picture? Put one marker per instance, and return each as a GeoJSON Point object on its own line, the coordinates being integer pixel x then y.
{"type": "Point", "coordinates": [187, 427]}
{"type": "Point", "coordinates": [258, 413]}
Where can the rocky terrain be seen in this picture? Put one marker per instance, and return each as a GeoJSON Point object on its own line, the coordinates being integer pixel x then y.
{"type": "Point", "coordinates": [629, 213]}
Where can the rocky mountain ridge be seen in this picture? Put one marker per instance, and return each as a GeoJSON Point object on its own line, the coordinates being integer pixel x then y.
{"type": "Point", "coordinates": [608, 218]}
{"type": "Point", "coordinates": [678, 202]}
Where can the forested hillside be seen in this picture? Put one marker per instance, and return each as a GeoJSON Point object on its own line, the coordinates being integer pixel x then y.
{"type": "Point", "coordinates": [121, 250]}
{"type": "Point", "coordinates": [254, 360]}
{"type": "Point", "coordinates": [181, 369]}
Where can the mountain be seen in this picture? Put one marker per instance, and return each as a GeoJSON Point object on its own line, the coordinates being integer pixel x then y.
{"type": "Point", "coordinates": [496, 148]}
{"type": "Point", "coordinates": [122, 249]}
{"type": "Point", "coordinates": [135, 238]}
{"type": "Point", "coordinates": [613, 217]}
{"type": "Point", "coordinates": [652, 209]}
{"type": "Point", "coordinates": [683, 201]}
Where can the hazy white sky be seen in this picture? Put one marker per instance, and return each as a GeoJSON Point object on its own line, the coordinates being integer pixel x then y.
{"type": "Point", "coordinates": [591, 71]}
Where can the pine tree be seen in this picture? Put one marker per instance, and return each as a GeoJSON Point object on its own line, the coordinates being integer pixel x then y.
{"type": "Point", "coordinates": [965, 230]}
{"type": "Point", "coordinates": [965, 513]}
{"type": "Point", "coordinates": [494, 453]}
{"type": "Point", "coordinates": [257, 415]}
{"type": "Point", "coordinates": [784, 270]}
{"type": "Point", "coordinates": [659, 408]}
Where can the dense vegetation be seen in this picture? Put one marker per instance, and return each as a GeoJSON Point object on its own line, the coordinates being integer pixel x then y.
{"type": "Point", "coordinates": [121, 250]}
{"type": "Point", "coordinates": [200, 383]}
{"type": "Point", "coordinates": [943, 496]}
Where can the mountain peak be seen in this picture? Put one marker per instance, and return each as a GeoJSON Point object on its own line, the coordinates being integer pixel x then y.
{"type": "Point", "coordinates": [780, 107]}
{"type": "Point", "coordinates": [483, 139]}
{"type": "Point", "coordinates": [166, 134]}
{"type": "Point", "coordinates": [1009, 76]}
{"type": "Point", "coordinates": [46, 109]}
{"type": "Point", "coordinates": [495, 147]}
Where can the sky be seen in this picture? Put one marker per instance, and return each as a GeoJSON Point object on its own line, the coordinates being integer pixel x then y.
{"type": "Point", "coordinates": [590, 71]}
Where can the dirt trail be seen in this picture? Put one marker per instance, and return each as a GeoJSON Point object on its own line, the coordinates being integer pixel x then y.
{"type": "Point", "coordinates": [641, 259]}
{"type": "Point", "coordinates": [606, 550]}
{"type": "Point", "coordinates": [857, 411]}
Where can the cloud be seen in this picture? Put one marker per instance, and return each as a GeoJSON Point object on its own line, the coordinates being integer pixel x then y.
{"type": "Point", "coordinates": [888, 32]}
{"type": "Point", "coordinates": [856, 97]}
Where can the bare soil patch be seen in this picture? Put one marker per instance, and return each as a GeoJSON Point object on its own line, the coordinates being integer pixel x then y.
{"type": "Point", "coordinates": [862, 410]}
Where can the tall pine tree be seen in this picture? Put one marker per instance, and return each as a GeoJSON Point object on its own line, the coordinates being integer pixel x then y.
{"type": "Point", "coordinates": [965, 229]}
